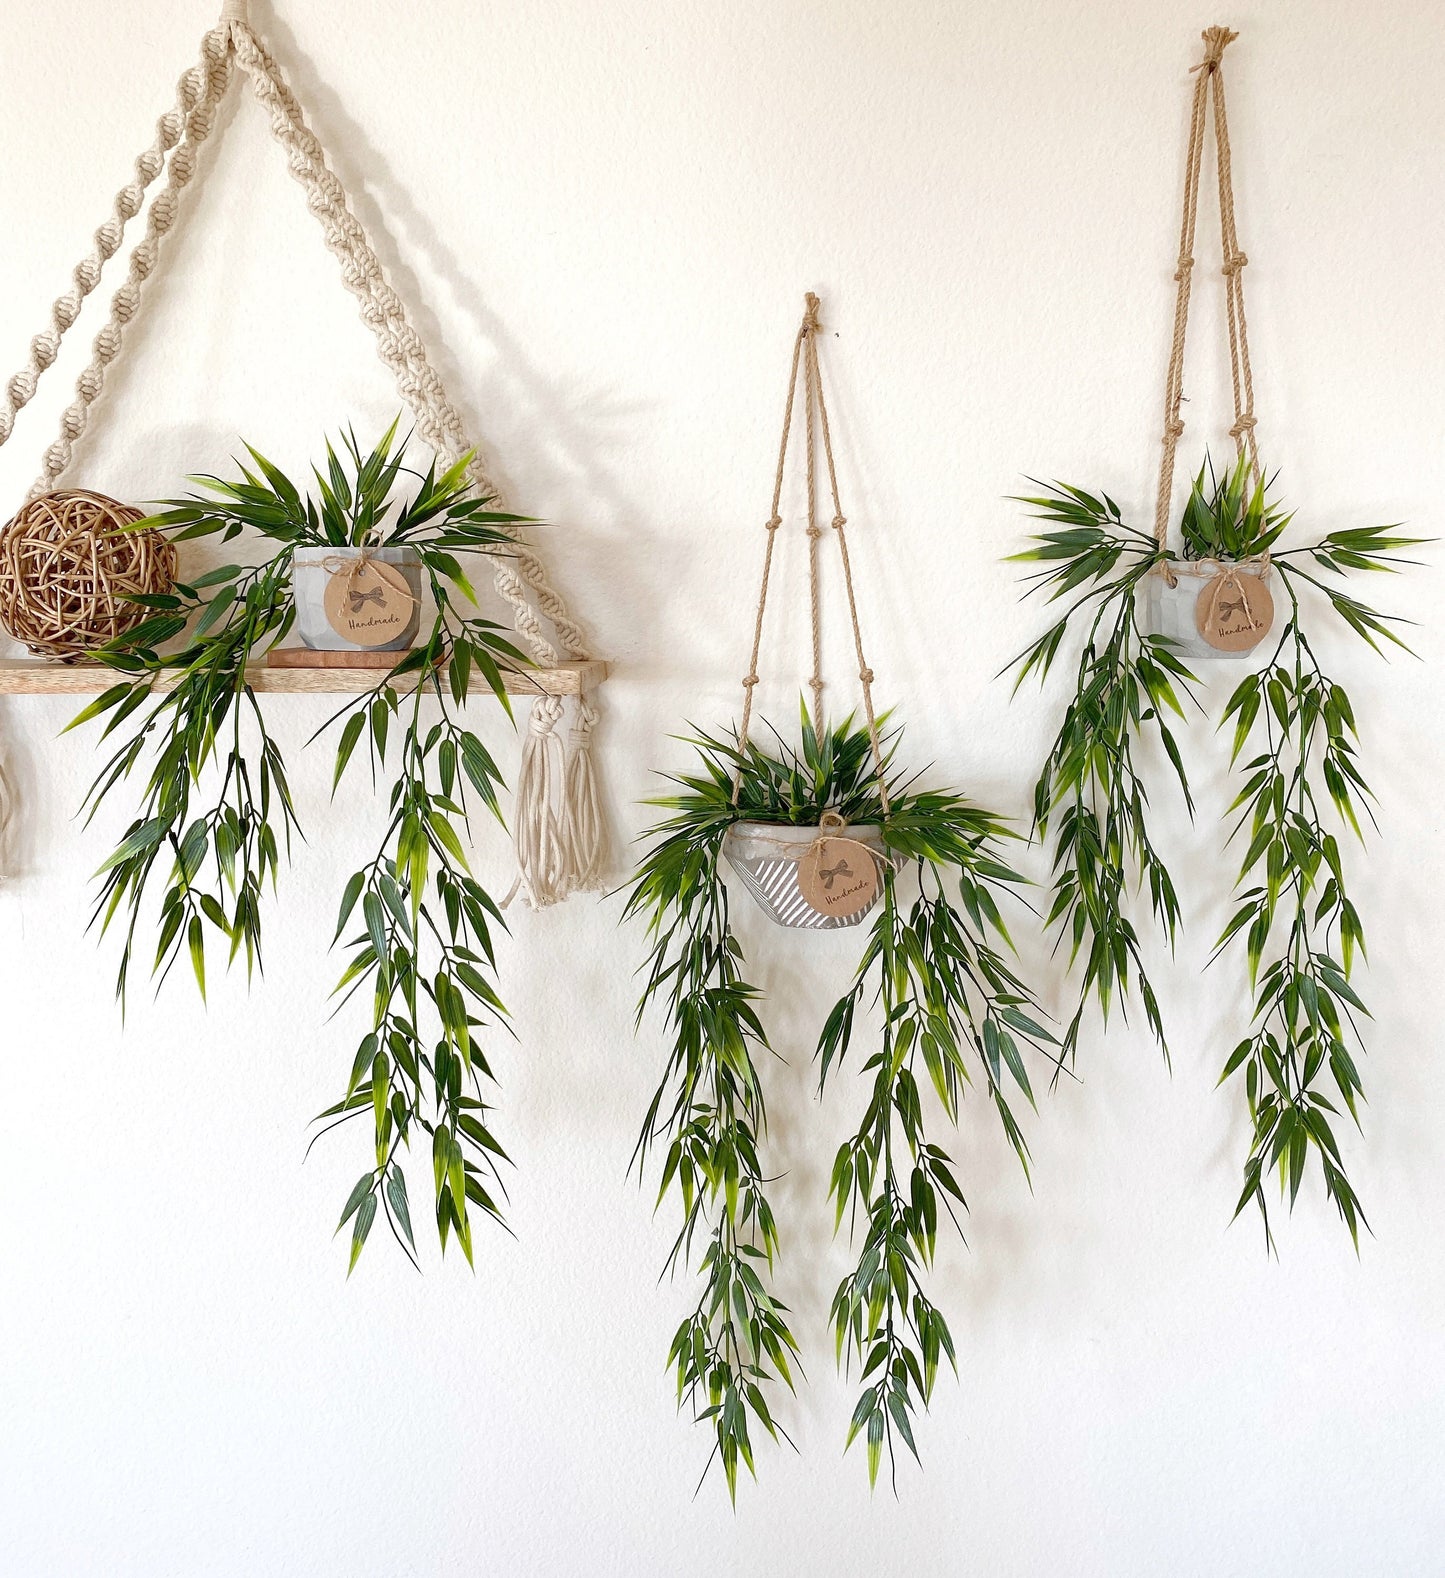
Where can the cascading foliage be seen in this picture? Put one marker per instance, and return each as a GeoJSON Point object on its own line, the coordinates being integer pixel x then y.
{"type": "Point", "coordinates": [933, 1004]}
{"type": "Point", "coordinates": [216, 810]}
{"type": "Point", "coordinates": [1295, 728]}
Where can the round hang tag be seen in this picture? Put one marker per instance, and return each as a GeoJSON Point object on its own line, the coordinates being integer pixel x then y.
{"type": "Point", "coordinates": [1234, 611]}
{"type": "Point", "coordinates": [368, 603]}
{"type": "Point", "coordinates": [838, 876]}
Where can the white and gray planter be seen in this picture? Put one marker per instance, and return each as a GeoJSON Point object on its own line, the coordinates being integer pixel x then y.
{"type": "Point", "coordinates": [311, 570]}
{"type": "Point", "coordinates": [766, 857]}
{"type": "Point", "coordinates": [1172, 611]}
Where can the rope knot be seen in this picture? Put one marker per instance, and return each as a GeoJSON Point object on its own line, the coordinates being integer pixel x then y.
{"type": "Point", "coordinates": [815, 531]}
{"type": "Point", "coordinates": [810, 316]}
{"type": "Point", "coordinates": [1216, 41]}
{"type": "Point", "coordinates": [866, 675]}
{"type": "Point", "coordinates": [1174, 427]}
{"type": "Point", "coordinates": [1244, 424]}
{"type": "Point", "coordinates": [1232, 265]}
{"type": "Point", "coordinates": [546, 713]}
{"type": "Point", "coordinates": [772, 523]}
{"type": "Point", "coordinates": [839, 522]}
{"type": "Point", "coordinates": [749, 680]}
{"type": "Point", "coordinates": [1185, 264]}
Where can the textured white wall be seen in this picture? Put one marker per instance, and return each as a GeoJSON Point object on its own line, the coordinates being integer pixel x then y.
{"type": "Point", "coordinates": [605, 217]}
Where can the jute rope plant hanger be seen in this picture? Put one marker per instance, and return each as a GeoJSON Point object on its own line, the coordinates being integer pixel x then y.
{"type": "Point", "coordinates": [559, 830]}
{"type": "Point", "coordinates": [791, 879]}
{"type": "Point", "coordinates": [1145, 612]}
{"type": "Point", "coordinates": [820, 834]}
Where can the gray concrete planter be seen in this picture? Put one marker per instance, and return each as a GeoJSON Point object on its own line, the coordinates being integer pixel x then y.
{"type": "Point", "coordinates": [766, 855]}
{"type": "Point", "coordinates": [1172, 611]}
{"type": "Point", "coordinates": [312, 569]}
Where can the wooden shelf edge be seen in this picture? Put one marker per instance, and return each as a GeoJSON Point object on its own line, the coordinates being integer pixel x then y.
{"type": "Point", "coordinates": [39, 677]}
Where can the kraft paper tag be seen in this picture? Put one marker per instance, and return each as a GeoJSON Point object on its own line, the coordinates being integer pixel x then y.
{"type": "Point", "coordinates": [838, 876]}
{"type": "Point", "coordinates": [1234, 611]}
{"type": "Point", "coordinates": [368, 604]}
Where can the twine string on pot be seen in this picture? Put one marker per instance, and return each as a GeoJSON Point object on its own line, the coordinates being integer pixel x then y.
{"type": "Point", "coordinates": [805, 357]}
{"type": "Point", "coordinates": [832, 829]}
{"type": "Point", "coordinates": [352, 566]}
{"type": "Point", "coordinates": [571, 820]}
{"type": "Point", "coordinates": [1208, 89]}
{"type": "Point", "coordinates": [1230, 571]}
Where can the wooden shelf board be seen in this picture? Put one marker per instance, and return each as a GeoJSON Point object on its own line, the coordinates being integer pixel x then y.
{"type": "Point", "coordinates": [39, 677]}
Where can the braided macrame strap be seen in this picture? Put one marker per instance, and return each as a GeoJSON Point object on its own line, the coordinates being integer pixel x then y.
{"type": "Point", "coordinates": [805, 357]}
{"type": "Point", "coordinates": [1208, 89]}
{"type": "Point", "coordinates": [178, 133]}
{"type": "Point", "coordinates": [560, 830]}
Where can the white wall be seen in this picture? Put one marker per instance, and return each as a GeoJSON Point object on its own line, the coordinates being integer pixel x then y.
{"type": "Point", "coordinates": [605, 217]}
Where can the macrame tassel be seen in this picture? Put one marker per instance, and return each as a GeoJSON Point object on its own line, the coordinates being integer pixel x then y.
{"type": "Point", "coordinates": [584, 827]}
{"type": "Point", "coordinates": [7, 813]}
{"type": "Point", "coordinates": [538, 837]}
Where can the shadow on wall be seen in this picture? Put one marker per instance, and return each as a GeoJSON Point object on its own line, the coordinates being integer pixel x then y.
{"type": "Point", "coordinates": [517, 403]}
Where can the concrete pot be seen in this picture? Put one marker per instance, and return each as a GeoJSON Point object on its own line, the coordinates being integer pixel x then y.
{"type": "Point", "coordinates": [1172, 611]}
{"type": "Point", "coordinates": [312, 569]}
{"type": "Point", "coordinates": [766, 856]}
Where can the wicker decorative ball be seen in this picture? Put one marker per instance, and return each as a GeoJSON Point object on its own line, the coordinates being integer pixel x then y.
{"type": "Point", "coordinates": [67, 569]}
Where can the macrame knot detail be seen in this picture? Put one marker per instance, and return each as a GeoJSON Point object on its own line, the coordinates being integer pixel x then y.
{"type": "Point", "coordinates": [545, 716]}
{"type": "Point", "coordinates": [866, 675]}
{"type": "Point", "coordinates": [815, 531]}
{"type": "Point", "coordinates": [749, 680]}
{"type": "Point", "coordinates": [1174, 426]}
{"type": "Point", "coordinates": [1216, 41]}
{"type": "Point", "coordinates": [1245, 424]}
{"type": "Point", "coordinates": [772, 524]}
{"type": "Point", "coordinates": [839, 522]}
{"type": "Point", "coordinates": [1233, 265]}
{"type": "Point", "coordinates": [1185, 264]}
{"type": "Point", "coordinates": [810, 317]}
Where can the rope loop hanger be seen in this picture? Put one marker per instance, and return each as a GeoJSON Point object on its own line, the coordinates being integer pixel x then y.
{"type": "Point", "coordinates": [1208, 91]}
{"type": "Point", "coordinates": [560, 833]}
{"type": "Point", "coordinates": [805, 356]}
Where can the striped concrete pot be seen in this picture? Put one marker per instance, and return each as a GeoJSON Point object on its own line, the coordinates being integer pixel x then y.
{"type": "Point", "coordinates": [766, 855]}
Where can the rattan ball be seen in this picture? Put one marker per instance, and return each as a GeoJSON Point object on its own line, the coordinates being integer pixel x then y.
{"type": "Point", "coordinates": [67, 568]}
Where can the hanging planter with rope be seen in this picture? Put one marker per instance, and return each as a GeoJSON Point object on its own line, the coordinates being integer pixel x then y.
{"type": "Point", "coordinates": [821, 833]}
{"type": "Point", "coordinates": [1146, 612]}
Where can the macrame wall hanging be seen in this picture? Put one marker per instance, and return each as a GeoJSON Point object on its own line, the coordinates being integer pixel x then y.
{"type": "Point", "coordinates": [821, 832]}
{"type": "Point", "coordinates": [1146, 612]}
{"type": "Point", "coordinates": [58, 595]}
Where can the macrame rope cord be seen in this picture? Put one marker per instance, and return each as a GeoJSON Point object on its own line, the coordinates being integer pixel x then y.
{"type": "Point", "coordinates": [1208, 88]}
{"type": "Point", "coordinates": [810, 396]}
{"type": "Point", "coordinates": [865, 674]}
{"type": "Point", "coordinates": [805, 355]}
{"type": "Point", "coordinates": [560, 833]}
{"type": "Point", "coordinates": [194, 86]}
{"type": "Point", "coordinates": [750, 679]}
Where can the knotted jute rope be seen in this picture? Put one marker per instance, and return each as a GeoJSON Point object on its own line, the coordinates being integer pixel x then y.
{"type": "Point", "coordinates": [805, 356]}
{"type": "Point", "coordinates": [1208, 88]}
{"type": "Point", "coordinates": [560, 833]}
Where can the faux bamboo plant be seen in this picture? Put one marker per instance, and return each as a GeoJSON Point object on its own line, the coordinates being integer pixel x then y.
{"type": "Point", "coordinates": [216, 809]}
{"type": "Point", "coordinates": [1295, 728]}
{"type": "Point", "coordinates": [934, 999]}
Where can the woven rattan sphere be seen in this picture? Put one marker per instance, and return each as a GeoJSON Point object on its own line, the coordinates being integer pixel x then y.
{"type": "Point", "coordinates": [67, 568]}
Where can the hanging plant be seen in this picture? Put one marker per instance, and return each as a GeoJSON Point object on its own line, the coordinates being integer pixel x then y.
{"type": "Point", "coordinates": [65, 574]}
{"type": "Point", "coordinates": [820, 834]}
{"type": "Point", "coordinates": [215, 807]}
{"type": "Point", "coordinates": [1144, 614]}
